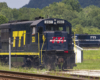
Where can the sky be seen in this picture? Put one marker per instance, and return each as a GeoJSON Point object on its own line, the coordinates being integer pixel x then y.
{"type": "Point", "coordinates": [15, 3]}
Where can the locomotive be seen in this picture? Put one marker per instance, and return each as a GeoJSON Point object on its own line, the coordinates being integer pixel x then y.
{"type": "Point", "coordinates": [41, 42]}
{"type": "Point", "coordinates": [86, 40]}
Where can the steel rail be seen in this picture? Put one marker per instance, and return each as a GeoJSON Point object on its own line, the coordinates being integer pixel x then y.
{"type": "Point", "coordinates": [34, 76]}
{"type": "Point", "coordinates": [14, 77]}
{"type": "Point", "coordinates": [81, 76]}
{"type": "Point", "coordinates": [85, 76]}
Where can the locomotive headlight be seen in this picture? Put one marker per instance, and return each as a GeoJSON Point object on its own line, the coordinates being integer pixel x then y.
{"type": "Point", "coordinates": [48, 22]}
{"type": "Point", "coordinates": [60, 21]}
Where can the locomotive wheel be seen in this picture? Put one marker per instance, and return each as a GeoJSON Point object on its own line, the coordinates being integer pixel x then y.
{"type": "Point", "coordinates": [49, 61]}
{"type": "Point", "coordinates": [52, 61]}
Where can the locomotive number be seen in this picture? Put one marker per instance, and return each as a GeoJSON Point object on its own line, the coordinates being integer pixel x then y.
{"type": "Point", "coordinates": [92, 37]}
{"type": "Point", "coordinates": [33, 39]}
{"type": "Point", "coordinates": [19, 34]}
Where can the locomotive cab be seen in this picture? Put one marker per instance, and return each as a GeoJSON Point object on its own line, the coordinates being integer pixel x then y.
{"type": "Point", "coordinates": [54, 38]}
{"type": "Point", "coordinates": [57, 34]}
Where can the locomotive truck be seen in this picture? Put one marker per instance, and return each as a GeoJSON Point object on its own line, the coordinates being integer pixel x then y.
{"type": "Point", "coordinates": [41, 42]}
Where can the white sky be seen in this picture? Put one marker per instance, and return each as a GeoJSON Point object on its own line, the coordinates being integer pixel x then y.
{"type": "Point", "coordinates": [15, 3]}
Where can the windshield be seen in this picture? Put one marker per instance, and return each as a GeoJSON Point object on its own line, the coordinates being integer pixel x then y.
{"type": "Point", "coordinates": [54, 28]}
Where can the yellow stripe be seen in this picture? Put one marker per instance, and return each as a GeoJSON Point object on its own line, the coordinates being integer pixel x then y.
{"type": "Point", "coordinates": [20, 53]}
{"type": "Point", "coordinates": [24, 36]}
{"type": "Point", "coordinates": [15, 34]}
{"type": "Point", "coordinates": [21, 33]}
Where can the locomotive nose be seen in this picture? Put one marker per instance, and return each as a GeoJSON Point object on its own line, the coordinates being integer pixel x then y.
{"type": "Point", "coordinates": [57, 41]}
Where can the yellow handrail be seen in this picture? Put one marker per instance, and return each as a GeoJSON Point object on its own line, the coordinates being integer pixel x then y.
{"type": "Point", "coordinates": [43, 37]}
{"type": "Point", "coordinates": [38, 45]}
{"type": "Point", "coordinates": [75, 49]}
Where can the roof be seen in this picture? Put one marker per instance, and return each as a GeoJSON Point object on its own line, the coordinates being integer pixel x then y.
{"type": "Point", "coordinates": [32, 23]}
{"type": "Point", "coordinates": [5, 26]}
{"type": "Point", "coordinates": [36, 22]}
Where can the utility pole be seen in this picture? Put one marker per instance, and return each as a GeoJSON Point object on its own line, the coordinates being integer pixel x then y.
{"type": "Point", "coordinates": [9, 53]}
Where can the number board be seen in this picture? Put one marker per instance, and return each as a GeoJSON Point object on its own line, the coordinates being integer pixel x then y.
{"type": "Point", "coordinates": [33, 39]}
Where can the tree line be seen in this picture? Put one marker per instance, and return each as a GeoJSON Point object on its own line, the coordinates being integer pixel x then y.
{"type": "Point", "coordinates": [83, 20]}
{"type": "Point", "coordinates": [43, 3]}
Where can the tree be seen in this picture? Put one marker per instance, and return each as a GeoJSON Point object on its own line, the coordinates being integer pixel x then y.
{"type": "Point", "coordinates": [96, 21]}
{"type": "Point", "coordinates": [15, 13]}
{"type": "Point", "coordinates": [78, 29]}
{"type": "Point", "coordinates": [74, 4]}
{"type": "Point", "coordinates": [3, 5]}
{"type": "Point", "coordinates": [3, 19]}
{"type": "Point", "coordinates": [7, 13]}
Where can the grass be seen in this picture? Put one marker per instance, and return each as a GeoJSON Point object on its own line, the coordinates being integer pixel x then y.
{"type": "Point", "coordinates": [91, 60]}
{"type": "Point", "coordinates": [25, 69]}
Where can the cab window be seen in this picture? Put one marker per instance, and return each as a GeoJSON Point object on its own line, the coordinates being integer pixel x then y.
{"type": "Point", "coordinates": [4, 34]}
{"type": "Point", "coordinates": [54, 28]}
{"type": "Point", "coordinates": [4, 39]}
{"type": "Point", "coordinates": [33, 30]}
{"type": "Point", "coordinates": [60, 28]}
{"type": "Point", "coordinates": [67, 29]}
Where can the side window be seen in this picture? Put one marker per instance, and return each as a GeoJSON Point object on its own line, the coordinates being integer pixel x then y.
{"type": "Point", "coordinates": [40, 30]}
{"type": "Point", "coordinates": [4, 34]}
{"type": "Point", "coordinates": [67, 29]}
{"type": "Point", "coordinates": [33, 30]}
{"type": "Point", "coordinates": [4, 39]}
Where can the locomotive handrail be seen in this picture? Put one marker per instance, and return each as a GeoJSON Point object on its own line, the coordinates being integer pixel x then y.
{"type": "Point", "coordinates": [42, 46]}
{"type": "Point", "coordinates": [39, 45]}
{"type": "Point", "coordinates": [75, 49]}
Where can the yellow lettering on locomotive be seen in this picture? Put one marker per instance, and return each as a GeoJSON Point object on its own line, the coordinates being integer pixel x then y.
{"type": "Point", "coordinates": [33, 39]}
{"type": "Point", "coordinates": [19, 34]}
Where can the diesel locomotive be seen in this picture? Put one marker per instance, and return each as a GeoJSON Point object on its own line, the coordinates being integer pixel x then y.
{"type": "Point", "coordinates": [41, 42]}
{"type": "Point", "coordinates": [86, 40]}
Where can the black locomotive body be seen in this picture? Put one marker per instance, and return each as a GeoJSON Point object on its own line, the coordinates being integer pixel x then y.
{"type": "Point", "coordinates": [45, 42]}
{"type": "Point", "coordinates": [85, 40]}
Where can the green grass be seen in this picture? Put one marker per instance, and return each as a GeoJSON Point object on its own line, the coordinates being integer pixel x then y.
{"type": "Point", "coordinates": [91, 60]}
{"type": "Point", "coordinates": [21, 69]}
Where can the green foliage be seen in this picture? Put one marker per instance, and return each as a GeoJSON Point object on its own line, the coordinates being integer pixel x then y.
{"type": "Point", "coordinates": [85, 3]}
{"type": "Point", "coordinates": [3, 5]}
{"type": "Point", "coordinates": [83, 21]}
{"type": "Point", "coordinates": [78, 29]}
{"type": "Point", "coordinates": [7, 12]}
{"type": "Point", "coordinates": [15, 13]}
{"type": "Point", "coordinates": [3, 19]}
{"type": "Point", "coordinates": [74, 4]}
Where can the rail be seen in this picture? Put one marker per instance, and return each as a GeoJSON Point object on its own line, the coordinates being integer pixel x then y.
{"type": "Point", "coordinates": [29, 76]}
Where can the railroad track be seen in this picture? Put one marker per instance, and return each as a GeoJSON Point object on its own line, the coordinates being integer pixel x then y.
{"type": "Point", "coordinates": [9, 75]}
{"type": "Point", "coordinates": [74, 74]}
